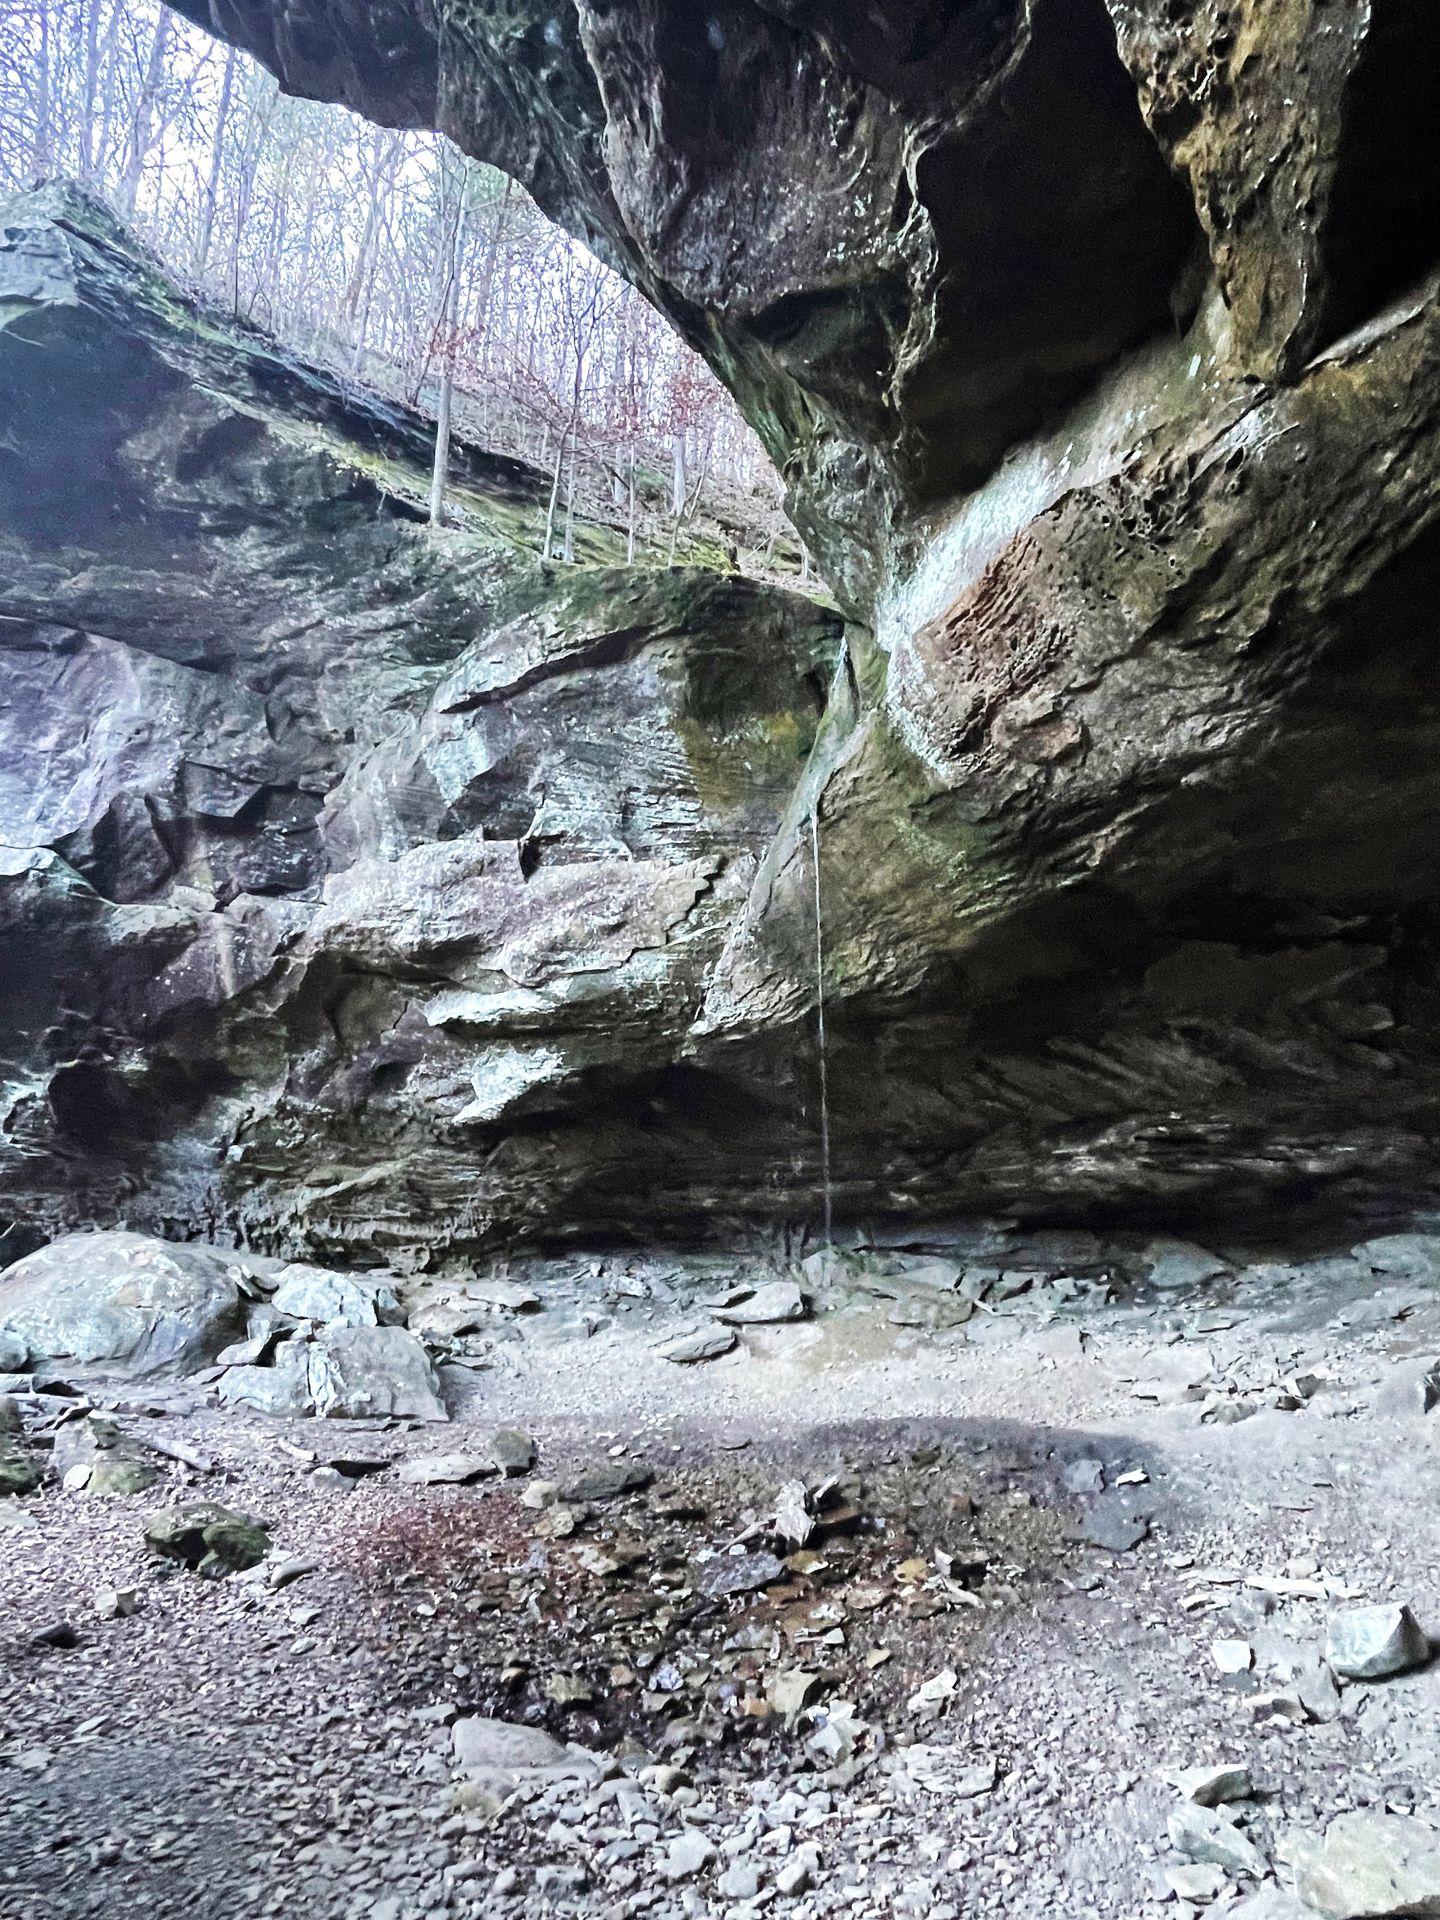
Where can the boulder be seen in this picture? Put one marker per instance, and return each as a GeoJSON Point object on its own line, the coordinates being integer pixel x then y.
{"type": "Point", "coordinates": [766, 1305]}
{"type": "Point", "coordinates": [94, 1455]}
{"type": "Point", "coordinates": [608, 1480]}
{"type": "Point", "coordinates": [335, 1299]}
{"type": "Point", "coordinates": [283, 1387]}
{"type": "Point", "coordinates": [505, 1748]}
{"type": "Point", "coordinates": [1370, 1866]}
{"type": "Point", "coordinates": [1372, 1643]}
{"type": "Point", "coordinates": [122, 1301]}
{"type": "Point", "coordinates": [342, 1371]}
{"type": "Point", "coordinates": [1211, 1838]}
{"type": "Point", "coordinates": [1412, 1256]}
{"type": "Point", "coordinates": [373, 1370]}
{"type": "Point", "coordinates": [511, 1452]}
{"type": "Point", "coordinates": [20, 1471]}
{"type": "Point", "coordinates": [1179, 1263]}
{"type": "Point", "coordinates": [1214, 1786]}
{"type": "Point", "coordinates": [207, 1538]}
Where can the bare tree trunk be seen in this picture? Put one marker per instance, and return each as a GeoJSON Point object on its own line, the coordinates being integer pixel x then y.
{"type": "Point", "coordinates": [302, 307]}
{"type": "Point", "coordinates": [142, 128]}
{"type": "Point", "coordinates": [88, 98]}
{"type": "Point", "coordinates": [105, 68]}
{"type": "Point", "coordinates": [450, 322]}
{"type": "Point", "coordinates": [217, 154]}
{"type": "Point", "coordinates": [275, 239]}
{"type": "Point", "coordinates": [630, 537]}
{"type": "Point", "coordinates": [680, 482]}
{"type": "Point", "coordinates": [492, 254]}
{"type": "Point", "coordinates": [250, 164]}
{"type": "Point", "coordinates": [570, 506]}
{"type": "Point", "coordinates": [554, 494]}
{"type": "Point", "coordinates": [42, 153]}
{"type": "Point", "coordinates": [362, 279]}
{"type": "Point", "coordinates": [692, 505]}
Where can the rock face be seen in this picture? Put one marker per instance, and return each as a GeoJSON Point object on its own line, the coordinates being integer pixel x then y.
{"type": "Point", "coordinates": [360, 883]}
{"type": "Point", "coordinates": [1098, 342]}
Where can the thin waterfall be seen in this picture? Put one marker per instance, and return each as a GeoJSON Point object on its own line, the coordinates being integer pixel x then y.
{"type": "Point", "coordinates": [825, 1178]}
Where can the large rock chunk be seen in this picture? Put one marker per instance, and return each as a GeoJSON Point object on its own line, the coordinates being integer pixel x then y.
{"type": "Point", "coordinates": [121, 1299]}
{"type": "Point", "coordinates": [335, 1299]}
{"type": "Point", "coordinates": [283, 1387]}
{"type": "Point", "coordinates": [19, 1469]}
{"type": "Point", "coordinates": [342, 1371]}
{"type": "Point", "coordinates": [95, 1455]}
{"type": "Point", "coordinates": [1371, 1643]}
{"type": "Point", "coordinates": [209, 1539]}
{"type": "Point", "coordinates": [1371, 1866]}
{"type": "Point", "coordinates": [506, 1749]}
{"type": "Point", "coordinates": [373, 1370]}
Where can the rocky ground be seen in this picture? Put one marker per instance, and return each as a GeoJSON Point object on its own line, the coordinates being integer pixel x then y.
{"type": "Point", "coordinates": [926, 1602]}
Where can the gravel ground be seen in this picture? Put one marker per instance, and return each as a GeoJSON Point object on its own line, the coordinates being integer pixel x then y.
{"type": "Point", "coordinates": [959, 1694]}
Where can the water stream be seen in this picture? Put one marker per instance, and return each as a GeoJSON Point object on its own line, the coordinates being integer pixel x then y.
{"type": "Point", "coordinates": [825, 1174]}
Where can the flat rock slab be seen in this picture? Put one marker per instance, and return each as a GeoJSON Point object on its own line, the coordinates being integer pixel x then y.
{"type": "Point", "coordinates": [1115, 1532]}
{"type": "Point", "coordinates": [691, 1348]}
{"type": "Point", "coordinates": [775, 1302]}
{"type": "Point", "coordinates": [446, 1469]}
{"type": "Point", "coordinates": [739, 1573]}
{"type": "Point", "coordinates": [485, 1746]}
{"type": "Point", "coordinates": [508, 1452]}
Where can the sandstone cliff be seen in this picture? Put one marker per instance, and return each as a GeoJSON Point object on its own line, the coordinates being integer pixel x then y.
{"type": "Point", "coordinates": [1099, 347]}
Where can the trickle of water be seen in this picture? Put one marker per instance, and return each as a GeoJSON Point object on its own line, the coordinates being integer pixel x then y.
{"type": "Point", "coordinates": [825, 1179]}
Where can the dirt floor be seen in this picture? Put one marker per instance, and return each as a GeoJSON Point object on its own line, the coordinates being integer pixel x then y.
{"type": "Point", "coordinates": [905, 1610]}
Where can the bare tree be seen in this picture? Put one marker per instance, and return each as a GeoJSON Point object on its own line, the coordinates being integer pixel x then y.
{"type": "Point", "coordinates": [453, 176]}
{"type": "Point", "coordinates": [142, 124]}
{"type": "Point", "coordinates": [42, 137]}
{"type": "Point", "coordinates": [211, 199]}
{"type": "Point", "coordinates": [352, 244]}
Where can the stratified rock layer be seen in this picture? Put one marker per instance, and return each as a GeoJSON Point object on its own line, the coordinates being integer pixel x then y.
{"type": "Point", "coordinates": [368, 903]}
{"type": "Point", "coordinates": [1098, 341]}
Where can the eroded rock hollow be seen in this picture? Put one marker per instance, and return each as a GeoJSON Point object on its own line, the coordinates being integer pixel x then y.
{"type": "Point", "coordinates": [383, 895]}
